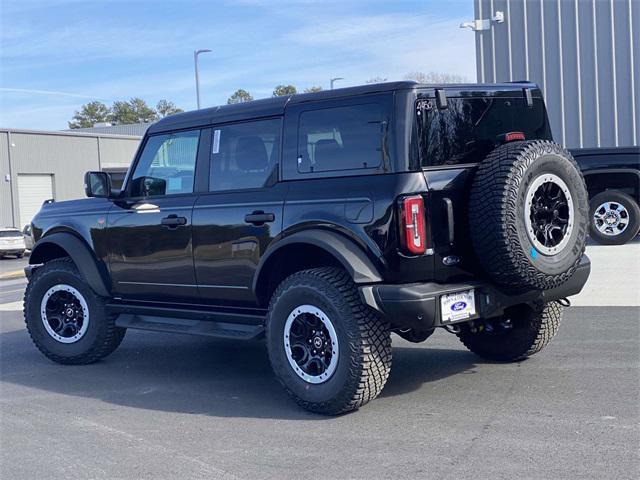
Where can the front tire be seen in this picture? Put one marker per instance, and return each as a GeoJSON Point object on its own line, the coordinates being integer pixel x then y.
{"type": "Point", "coordinates": [65, 318]}
{"type": "Point", "coordinates": [521, 332]}
{"type": "Point", "coordinates": [330, 352]}
{"type": "Point", "coordinates": [615, 218]}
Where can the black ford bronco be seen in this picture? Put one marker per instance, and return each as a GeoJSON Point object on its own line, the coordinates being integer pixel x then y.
{"type": "Point", "coordinates": [325, 222]}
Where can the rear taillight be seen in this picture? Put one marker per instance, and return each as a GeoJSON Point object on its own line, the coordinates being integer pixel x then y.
{"type": "Point", "coordinates": [511, 137]}
{"type": "Point", "coordinates": [413, 235]}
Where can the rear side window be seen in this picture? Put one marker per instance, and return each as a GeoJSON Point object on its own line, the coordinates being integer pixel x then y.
{"type": "Point", "coordinates": [243, 155]}
{"type": "Point", "coordinates": [468, 129]}
{"type": "Point", "coordinates": [340, 138]}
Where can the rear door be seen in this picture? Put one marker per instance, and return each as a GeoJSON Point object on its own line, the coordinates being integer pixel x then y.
{"type": "Point", "coordinates": [234, 223]}
{"type": "Point", "coordinates": [149, 228]}
{"type": "Point", "coordinates": [452, 141]}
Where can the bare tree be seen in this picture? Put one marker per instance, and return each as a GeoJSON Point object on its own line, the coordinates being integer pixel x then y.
{"type": "Point", "coordinates": [377, 80]}
{"type": "Point", "coordinates": [313, 89]}
{"type": "Point", "coordinates": [435, 77]}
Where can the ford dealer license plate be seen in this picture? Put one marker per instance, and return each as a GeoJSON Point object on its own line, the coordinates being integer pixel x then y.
{"type": "Point", "coordinates": [458, 306]}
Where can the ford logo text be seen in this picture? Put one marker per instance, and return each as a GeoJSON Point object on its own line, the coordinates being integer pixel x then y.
{"type": "Point", "coordinates": [456, 307]}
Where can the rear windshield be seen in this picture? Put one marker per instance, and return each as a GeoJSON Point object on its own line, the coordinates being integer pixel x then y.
{"type": "Point", "coordinates": [10, 233]}
{"type": "Point", "coordinates": [469, 128]}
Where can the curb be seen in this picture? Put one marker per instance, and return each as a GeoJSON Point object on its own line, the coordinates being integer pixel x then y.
{"type": "Point", "coordinates": [12, 275]}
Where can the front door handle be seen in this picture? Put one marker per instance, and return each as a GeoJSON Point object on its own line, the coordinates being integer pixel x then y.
{"type": "Point", "coordinates": [259, 218]}
{"type": "Point", "coordinates": [173, 221]}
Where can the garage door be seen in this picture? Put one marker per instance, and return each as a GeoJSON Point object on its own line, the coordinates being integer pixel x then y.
{"type": "Point", "coordinates": [32, 191]}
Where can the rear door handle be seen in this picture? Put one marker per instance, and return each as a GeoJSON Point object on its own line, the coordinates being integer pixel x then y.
{"type": "Point", "coordinates": [259, 218]}
{"type": "Point", "coordinates": [173, 221]}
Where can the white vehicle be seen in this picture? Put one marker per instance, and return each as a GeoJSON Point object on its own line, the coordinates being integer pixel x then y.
{"type": "Point", "coordinates": [11, 242]}
{"type": "Point", "coordinates": [28, 238]}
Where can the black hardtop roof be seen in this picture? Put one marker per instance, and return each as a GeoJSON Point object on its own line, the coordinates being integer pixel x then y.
{"type": "Point", "coordinates": [275, 106]}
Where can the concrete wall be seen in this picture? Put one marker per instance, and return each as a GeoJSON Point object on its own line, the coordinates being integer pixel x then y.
{"type": "Point", "coordinates": [66, 156]}
{"type": "Point", "coordinates": [582, 53]}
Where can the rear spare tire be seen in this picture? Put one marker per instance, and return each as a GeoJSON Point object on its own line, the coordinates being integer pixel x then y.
{"type": "Point", "coordinates": [529, 215]}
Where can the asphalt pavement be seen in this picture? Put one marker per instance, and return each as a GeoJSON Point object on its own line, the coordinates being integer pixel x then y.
{"type": "Point", "coordinates": [170, 406]}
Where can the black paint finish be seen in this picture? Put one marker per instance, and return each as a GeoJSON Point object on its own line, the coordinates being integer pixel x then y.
{"type": "Point", "coordinates": [203, 250]}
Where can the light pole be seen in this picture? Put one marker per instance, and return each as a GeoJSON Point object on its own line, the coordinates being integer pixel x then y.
{"type": "Point", "coordinates": [195, 61]}
{"type": "Point", "coordinates": [335, 80]}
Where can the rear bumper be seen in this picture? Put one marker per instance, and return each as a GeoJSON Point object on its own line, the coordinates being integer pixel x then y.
{"type": "Point", "coordinates": [417, 305]}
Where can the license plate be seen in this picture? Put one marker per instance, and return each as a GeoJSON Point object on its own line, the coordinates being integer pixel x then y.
{"type": "Point", "coordinates": [457, 306]}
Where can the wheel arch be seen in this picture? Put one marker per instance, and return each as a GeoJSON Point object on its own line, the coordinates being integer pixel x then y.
{"type": "Point", "coordinates": [625, 180]}
{"type": "Point", "coordinates": [310, 249]}
{"type": "Point", "coordinates": [66, 244]}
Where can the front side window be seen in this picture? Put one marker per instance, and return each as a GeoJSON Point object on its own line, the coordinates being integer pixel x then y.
{"type": "Point", "coordinates": [167, 165]}
{"type": "Point", "coordinates": [340, 138]}
{"type": "Point", "coordinates": [243, 155]}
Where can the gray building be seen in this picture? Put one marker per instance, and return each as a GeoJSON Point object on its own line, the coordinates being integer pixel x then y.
{"type": "Point", "coordinates": [135, 129]}
{"type": "Point", "coordinates": [36, 166]}
{"type": "Point", "coordinates": [582, 53]}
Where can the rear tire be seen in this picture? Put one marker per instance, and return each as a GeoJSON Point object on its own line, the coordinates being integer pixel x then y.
{"type": "Point", "coordinates": [521, 332]}
{"type": "Point", "coordinates": [624, 213]}
{"type": "Point", "coordinates": [355, 368]}
{"type": "Point", "coordinates": [89, 334]}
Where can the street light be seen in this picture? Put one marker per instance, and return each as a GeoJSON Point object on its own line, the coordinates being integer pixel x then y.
{"type": "Point", "coordinates": [335, 80]}
{"type": "Point", "coordinates": [195, 61]}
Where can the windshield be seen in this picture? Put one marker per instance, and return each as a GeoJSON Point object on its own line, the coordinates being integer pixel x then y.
{"type": "Point", "coordinates": [469, 128]}
{"type": "Point", "coordinates": [10, 233]}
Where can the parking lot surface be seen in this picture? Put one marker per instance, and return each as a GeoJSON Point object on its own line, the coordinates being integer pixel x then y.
{"type": "Point", "coordinates": [165, 406]}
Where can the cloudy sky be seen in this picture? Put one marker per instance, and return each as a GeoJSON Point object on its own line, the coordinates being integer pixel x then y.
{"type": "Point", "coordinates": [56, 55]}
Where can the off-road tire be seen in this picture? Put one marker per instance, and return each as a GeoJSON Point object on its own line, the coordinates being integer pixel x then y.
{"type": "Point", "coordinates": [497, 222]}
{"type": "Point", "coordinates": [532, 330]}
{"type": "Point", "coordinates": [102, 336]}
{"type": "Point", "coordinates": [631, 207]}
{"type": "Point", "coordinates": [364, 339]}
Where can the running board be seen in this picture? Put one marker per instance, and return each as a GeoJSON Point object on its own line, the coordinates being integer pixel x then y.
{"type": "Point", "coordinates": [190, 327]}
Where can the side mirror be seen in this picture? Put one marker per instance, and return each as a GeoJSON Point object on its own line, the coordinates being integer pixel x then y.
{"type": "Point", "coordinates": [148, 186]}
{"type": "Point", "coordinates": [97, 184]}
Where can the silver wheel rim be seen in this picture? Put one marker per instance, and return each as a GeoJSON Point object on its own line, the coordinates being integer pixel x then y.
{"type": "Point", "coordinates": [611, 218]}
{"type": "Point", "coordinates": [549, 180]}
{"type": "Point", "coordinates": [308, 330]}
{"type": "Point", "coordinates": [54, 316]}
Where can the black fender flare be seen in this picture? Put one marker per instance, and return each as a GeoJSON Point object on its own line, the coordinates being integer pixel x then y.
{"type": "Point", "coordinates": [348, 253]}
{"type": "Point", "coordinates": [81, 255]}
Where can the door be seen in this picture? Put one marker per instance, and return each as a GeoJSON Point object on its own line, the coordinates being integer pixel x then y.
{"type": "Point", "coordinates": [149, 228]}
{"type": "Point", "coordinates": [33, 190]}
{"type": "Point", "coordinates": [234, 223]}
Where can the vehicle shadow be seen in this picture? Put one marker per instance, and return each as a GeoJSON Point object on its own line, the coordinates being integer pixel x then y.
{"type": "Point", "coordinates": [198, 376]}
